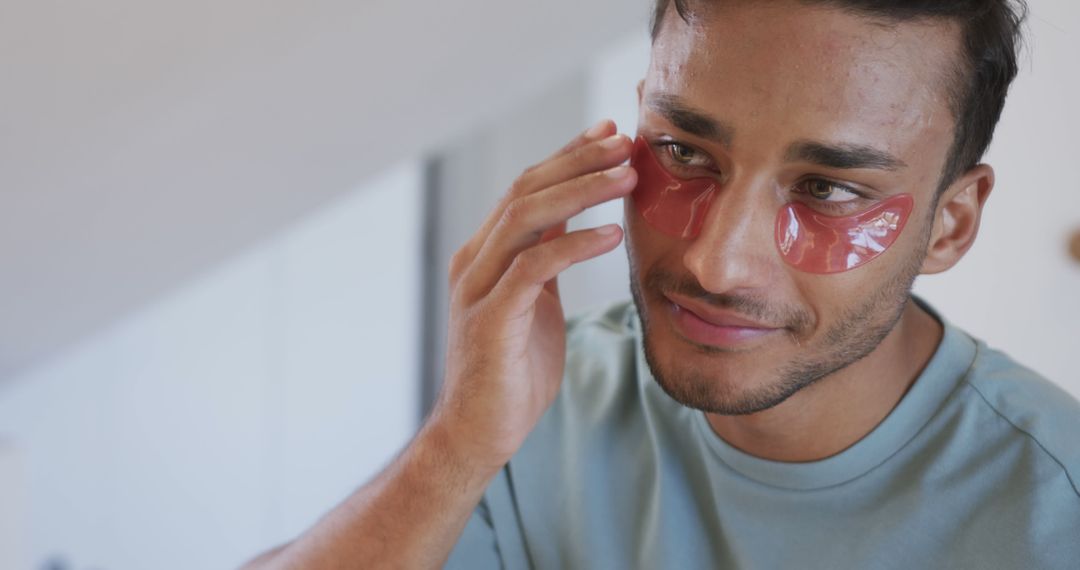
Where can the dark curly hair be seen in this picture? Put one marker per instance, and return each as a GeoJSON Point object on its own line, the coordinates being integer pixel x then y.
{"type": "Point", "coordinates": [991, 39]}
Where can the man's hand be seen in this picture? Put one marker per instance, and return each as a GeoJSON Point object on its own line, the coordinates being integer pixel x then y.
{"type": "Point", "coordinates": [504, 365]}
{"type": "Point", "coordinates": [506, 347]}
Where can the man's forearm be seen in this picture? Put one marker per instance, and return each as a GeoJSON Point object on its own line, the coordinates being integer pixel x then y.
{"type": "Point", "coordinates": [409, 516]}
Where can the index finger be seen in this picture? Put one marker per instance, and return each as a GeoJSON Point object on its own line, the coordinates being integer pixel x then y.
{"type": "Point", "coordinates": [601, 130]}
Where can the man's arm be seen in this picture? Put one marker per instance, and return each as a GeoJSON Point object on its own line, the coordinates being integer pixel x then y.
{"type": "Point", "coordinates": [409, 516]}
{"type": "Point", "coordinates": [505, 359]}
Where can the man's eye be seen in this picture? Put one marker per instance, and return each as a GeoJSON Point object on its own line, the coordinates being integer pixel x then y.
{"type": "Point", "coordinates": [684, 155]}
{"type": "Point", "coordinates": [827, 191]}
{"type": "Point", "coordinates": [681, 153]}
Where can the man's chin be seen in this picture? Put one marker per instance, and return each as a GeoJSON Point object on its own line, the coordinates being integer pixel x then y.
{"type": "Point", "coordinates": [705, 378]}
{"type": "Point", "coordinates": [718, 398]}
{"type": "Point", "coordinates": [718, 383]}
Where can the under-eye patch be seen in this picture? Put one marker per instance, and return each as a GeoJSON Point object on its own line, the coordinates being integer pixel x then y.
{"type": "Point", "coordinates": [806, 239]}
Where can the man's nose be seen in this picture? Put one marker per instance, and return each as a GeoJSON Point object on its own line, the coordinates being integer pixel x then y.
{"type": "Point", "coordinates": [736, 247]}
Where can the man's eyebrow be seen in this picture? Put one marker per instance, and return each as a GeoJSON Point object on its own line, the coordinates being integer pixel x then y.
{"type": "Point", "coordinates": [691, 120]}
{"type": "Point", "coordinates": [844, 156]}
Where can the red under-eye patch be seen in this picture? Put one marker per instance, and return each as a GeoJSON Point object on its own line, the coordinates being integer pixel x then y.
{"type": "Point", "coordinates": [672, 205]}
{"type": "Point", "coordinates": [817, 243]}
{"type": "Point", "coordinates": [807, 240]}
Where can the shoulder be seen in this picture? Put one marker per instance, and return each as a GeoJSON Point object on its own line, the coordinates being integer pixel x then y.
{"type": "Point", "coordinates": [601, 358]}
{"type": "Point", "coordinates": [1031, 405]}
{"type": "Point", "coordinates": [614, 322]}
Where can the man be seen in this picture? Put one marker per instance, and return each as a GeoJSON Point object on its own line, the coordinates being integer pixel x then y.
{"type": "Point", "coordinates": [774, 397]}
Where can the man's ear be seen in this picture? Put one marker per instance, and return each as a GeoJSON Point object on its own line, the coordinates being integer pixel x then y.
{"type": "Point", "coordinates": [956, 220]}
{"type": "Point", "coordinates": [640, 90]}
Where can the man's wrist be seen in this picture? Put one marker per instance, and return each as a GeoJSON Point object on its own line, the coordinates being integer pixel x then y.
{"type": "Point", "coordinates": [453, 452]}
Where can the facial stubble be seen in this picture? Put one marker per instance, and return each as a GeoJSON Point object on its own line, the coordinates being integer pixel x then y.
{"type": "Point", "coordinates": [856, 333]}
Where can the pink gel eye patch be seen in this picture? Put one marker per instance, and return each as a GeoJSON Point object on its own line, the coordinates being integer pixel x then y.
{"type": "Point", "coordinates": [816, 243]}
{"type": "Point", "coordinates": [672, 205]}
{"type": "Point", "coordinates": [807, 240]}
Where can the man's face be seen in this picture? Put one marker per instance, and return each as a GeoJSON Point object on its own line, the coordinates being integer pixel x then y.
{"type": "Point", "coordinates": [728, 97]}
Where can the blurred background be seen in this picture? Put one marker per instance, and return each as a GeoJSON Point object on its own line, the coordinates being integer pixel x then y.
{"type": "Point", "coordinates": [224, 228]}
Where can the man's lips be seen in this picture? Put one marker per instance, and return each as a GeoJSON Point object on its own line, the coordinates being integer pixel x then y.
{"type": "Point", "coordinates": [716, 317]}
{"type": "Point", "coordinates": [709, 326]}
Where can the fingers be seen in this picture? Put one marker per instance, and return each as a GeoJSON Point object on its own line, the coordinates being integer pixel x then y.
{"type": "Point", "coordinates": [582, 155]}
{"type": "Point", "coordinates": [599, 131]}
{"type": "Point", "coordinates": [552, 233]}
{"type": "Point", "coordinates": [602, 154]}
{"type": "Point", "coordinates": [526, 220]}
{"type": "Point", "coordinates": [536, 267]}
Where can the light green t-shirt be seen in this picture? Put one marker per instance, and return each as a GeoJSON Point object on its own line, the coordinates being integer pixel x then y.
{"type": "Point", "coordinates": [978, 466]}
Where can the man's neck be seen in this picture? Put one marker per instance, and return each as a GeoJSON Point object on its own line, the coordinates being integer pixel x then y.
{"type": "Point", "coordinates": [835, 412]}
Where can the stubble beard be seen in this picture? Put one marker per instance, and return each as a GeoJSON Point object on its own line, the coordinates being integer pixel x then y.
{"type": "Point", "coordinates": [855, 334]}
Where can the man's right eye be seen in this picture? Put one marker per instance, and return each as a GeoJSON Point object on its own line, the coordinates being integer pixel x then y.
{"type": "Point", "coordinates": [684, 155]}
{"type": "Point", "coordinates": [681, 153]}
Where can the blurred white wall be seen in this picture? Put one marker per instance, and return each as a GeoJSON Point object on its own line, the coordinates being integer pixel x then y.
{"type": "Point", "coordinates": [228, 416]}
{"type": "Point", "coordinates": [142, 141]}
{"type": "Point", "coordinates": [12, 507]}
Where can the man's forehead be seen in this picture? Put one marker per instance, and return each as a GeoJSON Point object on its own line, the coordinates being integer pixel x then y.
{"type": "Point", "coordinates": [806, 66]}
{"type": "Point", "coordinates": [790, 37]}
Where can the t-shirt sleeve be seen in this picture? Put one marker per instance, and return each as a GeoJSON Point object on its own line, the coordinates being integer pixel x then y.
{"type": "Point", "coordinates": [477, 548]}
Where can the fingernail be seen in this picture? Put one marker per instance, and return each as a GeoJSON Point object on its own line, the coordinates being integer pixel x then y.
{"type": "Point", "coordinates": [597, 130]}
{"type": "Point", "coordinates": [608, 229]}
{"type": "Point", "coordinates": [618, 171]}
{"type": "Point", "coordinates": [612, 142]}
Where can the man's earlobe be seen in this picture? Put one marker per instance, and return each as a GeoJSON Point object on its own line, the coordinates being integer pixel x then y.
{"type": "Point", "coordinates": [956, 221]}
